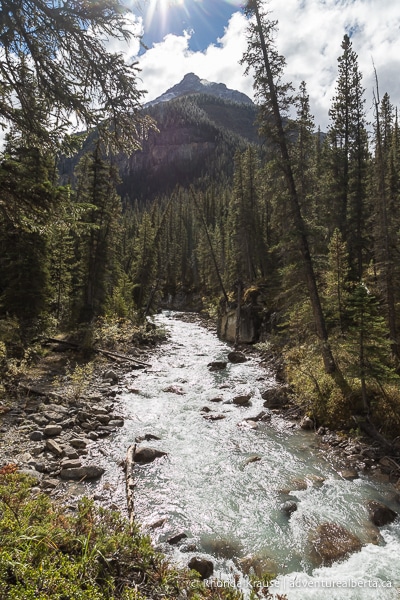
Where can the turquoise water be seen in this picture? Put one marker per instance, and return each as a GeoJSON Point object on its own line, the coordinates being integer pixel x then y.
{"type": "Point", "coordinates": [228, 506]}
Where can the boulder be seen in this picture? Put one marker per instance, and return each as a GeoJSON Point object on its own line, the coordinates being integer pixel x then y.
{"type": "Point", "coordinates": [175, 539]}
{"type": "Point", "coordinates": [148, 437]}
{"type": "Point", "coordinates": [204, 567]}
{"type": "Point", "coordinates": [110, 374]}
{"type": "Point", "coordinates": [79, 443]}
{"type": "Point", "coordinates": [78, 473]}
{"type": "Point", "coordinates": [307, 424]}
{"type": "Point", "coordinates": [288, 507]}
{"type": "Point", "coordinates": [262, 416]}
{"type": "Point", "coordinates": [332, 542]}
{"type": "Point", "coordinates": [174, 389]}
{"type": "Point", "coordinates": [275, 397]}
{"type": "Point", "coordinates": [214, 417]}
{"type": "Point", "coordinates": [52, 430]}
{"type": "Point", "coordinates": [36, 436]}
{"type": "Point", "coordinates": [236, 357]}
{"type": "Point", "coordinates": [144, 456]}
{"type": "Point", "coordinates": [70, 463]}
{"type": "Point", "coordinates": [54, 447]}
{"type": "Point", "coordinates": [217, 365]}
{"type": "Point", "coordinates": [252, 459]}
{"type": "Point", "coordinates": [380, 514]}
{"type": "Point", "coordinates": [348, 474]}
{"type": "Point", "coordinates": [241, 400]}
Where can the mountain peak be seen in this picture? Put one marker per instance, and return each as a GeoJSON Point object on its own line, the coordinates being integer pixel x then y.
{"type": "Point", "coordinates": [192, 84]}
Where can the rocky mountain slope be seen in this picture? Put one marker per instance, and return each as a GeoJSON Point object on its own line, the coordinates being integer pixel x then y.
{"type": "Point", "coordinates": [201, 126]}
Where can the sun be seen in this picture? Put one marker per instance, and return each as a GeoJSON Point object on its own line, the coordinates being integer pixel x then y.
{"type": "Point", "coordinates": [158, 9]}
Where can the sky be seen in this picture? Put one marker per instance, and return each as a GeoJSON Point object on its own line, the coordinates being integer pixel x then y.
{"type": "Point", "coordinates": [208, 38]}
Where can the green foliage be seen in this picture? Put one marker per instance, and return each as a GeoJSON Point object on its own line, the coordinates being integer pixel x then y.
{"type": "Point", "coordinates": [93, 555]}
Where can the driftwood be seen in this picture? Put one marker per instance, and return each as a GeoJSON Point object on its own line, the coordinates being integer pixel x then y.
{"type": "Point", "coordinates": [108, 353]}
{"type": "Point", "coordinates": [130, 481]}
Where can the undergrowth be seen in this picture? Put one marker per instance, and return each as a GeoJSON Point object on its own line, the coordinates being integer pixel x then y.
{"type": "Point", "coordinates": [92, 555]}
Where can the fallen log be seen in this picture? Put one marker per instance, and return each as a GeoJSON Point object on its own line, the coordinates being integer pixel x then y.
{"type": "Point", "coordinates": [108, 353]}
{"type": "Point", "coordinates": [130, 481]}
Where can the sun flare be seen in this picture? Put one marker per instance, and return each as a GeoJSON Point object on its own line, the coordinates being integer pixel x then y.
{"type": "Point", "coordinates": [158, 9]}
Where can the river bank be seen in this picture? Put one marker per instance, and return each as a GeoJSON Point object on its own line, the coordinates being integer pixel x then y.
{"type": "Point", "coordinates": [61, 416]}
{"type": "Point", "coordinates": [177, 399]}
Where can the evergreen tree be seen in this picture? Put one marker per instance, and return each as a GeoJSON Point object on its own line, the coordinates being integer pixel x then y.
{"type": "Point", "coordinates": [348, 158]}
{"type": "Point", "coordinates": [96, 186]}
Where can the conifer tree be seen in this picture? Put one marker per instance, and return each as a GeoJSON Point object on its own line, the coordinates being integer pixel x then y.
{"type": "Point", "coordinates": [96, 186]}
{"type": "Point", "coordinates": [267, 64]}
{"type": "Point", "coordinates": [348, 158]}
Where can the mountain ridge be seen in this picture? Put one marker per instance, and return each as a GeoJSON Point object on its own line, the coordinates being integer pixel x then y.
{"type": "Point", "coordinates": [192, 84]}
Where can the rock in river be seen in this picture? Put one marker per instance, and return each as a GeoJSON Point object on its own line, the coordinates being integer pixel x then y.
{"type": "Point", "coordinates": [380, 514]}
{"type": "Point", "coordinates": [236, 357]}
{"type": "Point", "coordinates": [332, 542]}
{"type": "Point", "coordinates": [144, 456]}
{"type": "Point", "coordinates": [241, 400]}
{"type": "Point", "coordinates": [204, 567]}
{"type": "Point", "coordinates": [217, 365]}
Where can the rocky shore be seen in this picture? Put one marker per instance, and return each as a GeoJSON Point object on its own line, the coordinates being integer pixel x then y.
{"type": "Point", "coordinates": [59, 423]}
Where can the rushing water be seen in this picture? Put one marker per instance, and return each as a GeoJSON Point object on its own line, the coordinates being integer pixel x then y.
{"type": "Point", "coordinates": [227, 504]}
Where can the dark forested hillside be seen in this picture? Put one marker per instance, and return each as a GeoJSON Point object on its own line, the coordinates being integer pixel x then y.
{"type": "Point", "coordinates": [197, 138]}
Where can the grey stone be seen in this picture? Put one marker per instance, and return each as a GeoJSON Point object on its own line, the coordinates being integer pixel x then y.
{"type": "Point", "coordinates": [54, 447]}
{"type": "Point", "coordinates": [116, 422]}
{"type": "Point", "coordinates": [85, 472]}
{"type": "Point", "coordinates": [147, 455]}
{"type": "Point", "coordinates": [70, 463]}
{"type": "Point", "coordinates": [380, 514]}
{"type": "Point", "coordinates": [36, 436]}
{"type": "Point", "coordinates": [110, 374]}
{"type": "Point", "coordinates": [50, 483]}
{"type": "Point", "coordinates": [78, 442]}
{"type": "Point", "coordinates": [52, 430]}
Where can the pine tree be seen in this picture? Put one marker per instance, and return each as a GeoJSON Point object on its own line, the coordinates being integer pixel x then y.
{"type": "Point", "coordinates": [96, 185]}
{"type": "Point", "coordinates": [348, 158]}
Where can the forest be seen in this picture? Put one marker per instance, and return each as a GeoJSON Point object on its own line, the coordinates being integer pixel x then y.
{"type": "Point", "coordinates": [308, 222]}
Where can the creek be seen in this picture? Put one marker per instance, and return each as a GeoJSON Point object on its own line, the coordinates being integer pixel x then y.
{"type": "Point", "coordinates": [222, 482]}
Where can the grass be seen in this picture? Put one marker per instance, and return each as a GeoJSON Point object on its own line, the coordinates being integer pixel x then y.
{"type": "Point", "coordinates": [92, 555]}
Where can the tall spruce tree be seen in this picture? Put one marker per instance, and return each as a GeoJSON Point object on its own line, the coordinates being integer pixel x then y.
{"type": "Point", "coordinates": [97, 179]}
{"type": "Point", "coordinates": [267, 64]}
{"type": "Point", "coordinates": [348, 158]}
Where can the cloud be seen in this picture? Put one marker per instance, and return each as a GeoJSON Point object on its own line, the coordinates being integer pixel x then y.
{"type": "Point", "coordinates": [167, 62]}
{"type": "Point", "coordinates": [310, 36]}
{"type": "Point", "coordinates": [310, 33]}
